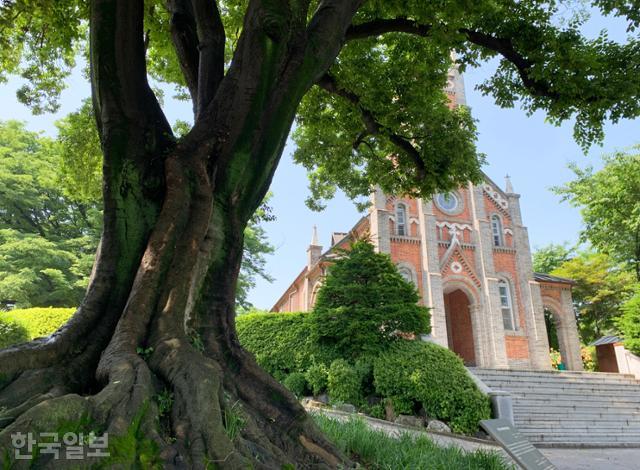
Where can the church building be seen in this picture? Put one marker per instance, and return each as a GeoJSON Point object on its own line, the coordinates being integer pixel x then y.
{"type": "Point", "coordinates": [468, 254]}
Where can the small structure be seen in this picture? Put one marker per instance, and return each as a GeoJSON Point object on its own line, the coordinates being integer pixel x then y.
{"type": "Point", "coordinates": [612, 356]}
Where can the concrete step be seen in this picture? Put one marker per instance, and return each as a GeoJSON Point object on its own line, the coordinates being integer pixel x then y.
{"type": "Point", "coordinates": [543, 388]}
{"type": "Point", "coordinates": [546, 382]}
{"type": "Point", "coordinates": [571, 408]}
{"type": "Point", "coordinates": [552, 373]}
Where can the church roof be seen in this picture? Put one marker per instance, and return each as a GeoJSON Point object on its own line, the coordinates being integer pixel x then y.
{"type": "Point", "coordinates": [542, 277]}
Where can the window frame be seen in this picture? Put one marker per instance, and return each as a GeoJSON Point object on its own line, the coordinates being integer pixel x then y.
{"type": "Point", "coordinates": [497, 230]}
{"type": "Point", "coordinates": [504, 283]}
{"type": "Point", "coordinates": [402, 228]}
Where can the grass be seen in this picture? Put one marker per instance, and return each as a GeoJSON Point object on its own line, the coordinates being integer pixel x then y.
{"type": "Point", "coordinates": [375, 450]}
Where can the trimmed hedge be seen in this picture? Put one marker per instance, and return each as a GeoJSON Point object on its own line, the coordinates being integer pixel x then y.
{"type": "Point", "coordinates": [280, 342]}
{"type": "Point", "coordinates": [38, 321]}
{"type": "Point", "coordinates": [296, 383]}
{"type": "Point", "coordinates": [416, 374]}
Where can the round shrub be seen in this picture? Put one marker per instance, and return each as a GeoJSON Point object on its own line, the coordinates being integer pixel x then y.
{"type": "Point", "coordinates": [39, 321]}
{"type": "Point", "coordinates": [415, 373]}
{"type": "Point", "coordinates": [344, 384]}
{"type": "Point", "coordinates": [316, 376]}
{"type": "Point", "coordinates": [296, 383]}
{"type": "Point", "coordinates": [11, 333]}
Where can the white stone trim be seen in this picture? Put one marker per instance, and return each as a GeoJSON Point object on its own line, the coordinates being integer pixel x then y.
{"type": "Point", "coordinates": [495, 196]}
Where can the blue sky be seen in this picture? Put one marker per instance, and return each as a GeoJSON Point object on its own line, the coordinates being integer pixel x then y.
{"type": "Point", "coordinates": [534, 153]}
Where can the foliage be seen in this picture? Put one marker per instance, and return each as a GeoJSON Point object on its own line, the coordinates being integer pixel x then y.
{"type": "Point", "coordinates": [556, 358]}
{"type": "Point", "coordinates": [296, 383]}
{"type": "Point", "coordinates": [610, 207]}
{"type": "Point", "coordinates": [550, 257]}
{"type": "Point", "coordinates": [376, 450]}
{"type": "Point", "coordinates": [589, 361]}
{"type": "Point", "coordinates": [11, 333]}
{"type": "Point", "coordinates": [164, 400]}
{"type": "Point", "coordinates": [629, 324]}
{"type": "Point", "coordinates": [279, 341]}
{"type": "Point", "coordinates": [81, 156]}
{"type": "Point", "coordinates": [317, 375]}
{"type": "Point", "coordinates": [344, 384]}
{"type": "Point", "coordinates": [601, 287]}
{"type": "Point", "coordinates": [427, 375]}
{"type": "Point", "coordinates": [38, 322]}
{"type": "Point", "coordinates": [133, 449]}
{"type": "Point", "coordinates": [48, 236]}
{"type": "Point", "coordinates": [256, 248]}
{"type": "Point", "coordinates": [363, 303]}
{"type": "Point", "coordinates": [233, 420]}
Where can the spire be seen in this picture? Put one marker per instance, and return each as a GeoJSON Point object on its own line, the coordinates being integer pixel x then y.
{"type": "Point", "coordinates": [314, 252]}
{"type": "Point", "coordinates": [314, 237]}
{"type": "Point", "coordinates": [508, 186]}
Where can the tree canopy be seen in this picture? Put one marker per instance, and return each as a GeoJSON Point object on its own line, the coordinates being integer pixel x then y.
{"type": "Point", "coordinates": [382, 96]}
{"type": "Point", "coordinates": [610, 206]}
{"type": "Point", "coordinates": [602, 287]}
{"type": "Point", "coordinates": [48, 235]}
{"type": "Point", "coordinates": [365, 81]}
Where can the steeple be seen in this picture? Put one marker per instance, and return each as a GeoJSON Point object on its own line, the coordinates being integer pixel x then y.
{"type": "Point", "coordinates": [315, 249]}
{"type": "Point", "coordinates": [508, 187]}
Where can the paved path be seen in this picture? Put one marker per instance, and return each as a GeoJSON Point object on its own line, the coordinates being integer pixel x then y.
{"type": "Point", "coordinates": [563, 459]}
{"type": "Point", "coordinates": [594, 459]}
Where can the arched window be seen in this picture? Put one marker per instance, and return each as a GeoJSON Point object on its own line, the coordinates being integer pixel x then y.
{"type": "Point", "coordinates": [506, 305]}
{"type": "Point", "coordinates": [401, 220]}
{"type": "Point", "coordinates": [406, 274]}
{"type": "Point", "coordinates": [496, 228]}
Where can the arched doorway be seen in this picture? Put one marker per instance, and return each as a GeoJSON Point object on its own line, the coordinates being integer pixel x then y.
{"type": "Point", "coordinates": [457, 307]}
{"type": "Point", "coordinates": [551, 322]}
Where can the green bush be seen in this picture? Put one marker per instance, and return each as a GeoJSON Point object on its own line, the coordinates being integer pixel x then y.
{"type": "Point", "coordinates": [296, 383]}
{"type": "Point", "coordinates": [364, 303]}
{"type": "Point", "coordinates": [414, 374]}
{"type": "Point", "coordinates": [280, 342]}
{"type": "Point", "coordinates": [344, 384]}
{"type": "Point", "coordinates": [11, 333]}
{"type": "Point", "coordinates": [38, 321]}
{"type": "Point", "coordinates": [629, 324]}
{"type": "Point", "coordinates": [316, 376]}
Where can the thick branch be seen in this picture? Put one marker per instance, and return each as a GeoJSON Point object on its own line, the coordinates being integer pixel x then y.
{"type": "Point", "coordinates": [123, 100]}
{"type": "Point", "coordinates": [382, 26]}
{"type": "Point", "coordinates": [185, 42]}
{"type": "Point", "coordinates": [372, 125]}
{"type": "Point", "coordinates": [503, 46]}
{"type": "Point", "coordinates": [211, 39]}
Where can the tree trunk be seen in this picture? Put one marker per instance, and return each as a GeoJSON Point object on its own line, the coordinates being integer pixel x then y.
{"type": "Point", "coordinates": [151, 356]}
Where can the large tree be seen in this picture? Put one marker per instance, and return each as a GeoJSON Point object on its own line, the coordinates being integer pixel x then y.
{"type": "Point", "coordinates": [365, 78]}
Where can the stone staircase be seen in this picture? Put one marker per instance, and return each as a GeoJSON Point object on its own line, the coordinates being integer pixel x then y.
{"type": "Point", "coordinates": [571, 408]}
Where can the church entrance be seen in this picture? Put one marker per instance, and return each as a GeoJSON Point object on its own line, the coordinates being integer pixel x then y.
{"type": "Point", "coordinates": [457, 309]}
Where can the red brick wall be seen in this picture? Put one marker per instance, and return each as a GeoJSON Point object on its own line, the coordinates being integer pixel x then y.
{"type": "Point", "coordinates": [408, 252]}
{"type": "Point", "coordinates": [459, 325]}
{"type": "Point", "coordinates": [517, 347]}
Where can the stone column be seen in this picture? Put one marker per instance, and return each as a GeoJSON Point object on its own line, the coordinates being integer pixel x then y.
{"type": "Point", "coordinates": [431, 275]}
{"type": "Point", "coordinates": [379, 222]}
{"type": "Point", "coordinates": [533, 311]}
{"type": "Point", "coordinates": [568, 332]}
{"type": "Point", "coordinates": [492, 341]}
{"type": "Point", "coordinates": [538, 339]}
